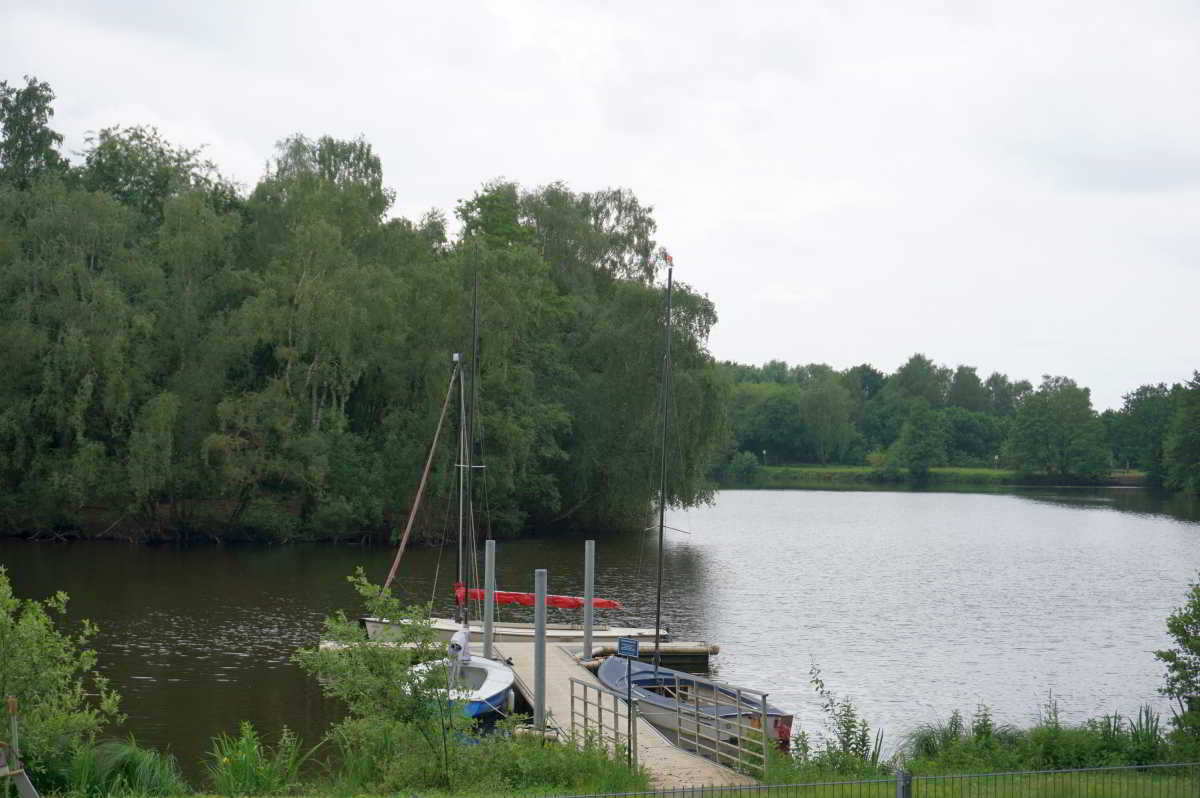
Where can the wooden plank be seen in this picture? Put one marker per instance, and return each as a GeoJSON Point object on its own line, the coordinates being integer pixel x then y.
{"type": "Point", "coordinates": [670, 767]}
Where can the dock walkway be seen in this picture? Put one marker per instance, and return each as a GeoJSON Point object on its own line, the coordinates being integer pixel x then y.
{"type": "Point", "coordinates": [670, 767]}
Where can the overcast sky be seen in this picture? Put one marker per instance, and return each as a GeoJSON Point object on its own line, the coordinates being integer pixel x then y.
{"type": "Point", "coordinates": [1014, 186]}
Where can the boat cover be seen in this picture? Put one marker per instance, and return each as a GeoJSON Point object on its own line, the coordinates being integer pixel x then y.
{"type": "Point", "coordinates": [461, 594]}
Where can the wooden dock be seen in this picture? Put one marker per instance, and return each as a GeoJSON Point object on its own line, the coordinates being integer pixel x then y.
{"type": "Point", "coordinates": [670, 767]}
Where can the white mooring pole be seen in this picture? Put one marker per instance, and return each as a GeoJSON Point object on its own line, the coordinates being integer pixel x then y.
{"type": "Point", "coordinates": [489, 595]}
{"type": "Point", "coordinates": [539, 650]}
{"type": "Point", "coordinates": [589, 595]}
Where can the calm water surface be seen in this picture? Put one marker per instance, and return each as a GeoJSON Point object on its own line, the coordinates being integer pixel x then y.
{"type": "Point", "coordinates": [913, 604]}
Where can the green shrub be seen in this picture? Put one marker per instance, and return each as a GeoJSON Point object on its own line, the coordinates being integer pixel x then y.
{"type": "Point", "coordinates": [743, 468]}
{"type": "Point", "coordinates": [242, 765]}
{"type": "Point", "coordinates": [63, 701]}
{"type": "Point", "coordinates": [846, 749]}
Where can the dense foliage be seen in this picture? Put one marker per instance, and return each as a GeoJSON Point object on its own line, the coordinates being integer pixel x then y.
{"type": "Point", "coordinates": [62, 700]}
{"type": "Point", "coordinates": [924, 416]}
{"type": "Point", "coordinates": [1182, 661]}
{"type": "Point", "coordinates": [186, 358]}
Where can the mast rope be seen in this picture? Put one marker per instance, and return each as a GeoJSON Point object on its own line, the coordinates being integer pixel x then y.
{"type": "Point", "coordinates": [412, 514]}
{"type": "Point", "coordinates": [437, 569]}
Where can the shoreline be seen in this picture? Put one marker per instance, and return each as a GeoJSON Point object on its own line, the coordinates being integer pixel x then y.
{"type": "Point", "coordinates": [211, 527]}
{"type": "Point", "coordinates": [866, 477]}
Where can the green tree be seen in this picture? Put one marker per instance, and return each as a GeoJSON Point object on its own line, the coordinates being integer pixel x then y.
{"type": "Point", "coordinates": [1182, 678]}
{"type": "Point", "coordinates": [1004, 396]}
{"type": "Point", "coordinates": [972, 439]}
{"type": "Point", "coordinates": [922, 441]}
{"type": "Point", "coordinates": [28, 147]}
{"type": "Point", "coordinates": [1056, 431]}
{"type": "Point", "coordinates": [140, 169]}
{"type": "Point", "coordinates": [395, 707]}
{"type": "Point", "coordinates": [883, 415]}
{"type": "Point", "coordinates": [63, 701]}
{"type": "Point", "coordinates": [967, 391]}
{"type": "Point", "coordinates": [1181, 446]}
{"type": "Point", "coordinates": [1137, 432]}
{"type": "Point", "coordinates": [921, 377]}
{"type": "Point", "coordinates": [824, 408]}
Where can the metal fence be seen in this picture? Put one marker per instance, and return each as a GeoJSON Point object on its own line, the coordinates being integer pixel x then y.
{"type": "Point", "coordinates": [721, 722]}
{"type": "Point", "coordinates": [601, 716]}
{"type": "Point", "coordinates": [1146, 781]}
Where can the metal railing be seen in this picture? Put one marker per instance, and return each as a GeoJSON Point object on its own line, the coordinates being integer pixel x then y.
{"type": "Point", "coordinates": [602, 716]}
{"type": "Point", "coordinates": [721, 722]}
{"type": "Point", "coordinates": [1134, 781]}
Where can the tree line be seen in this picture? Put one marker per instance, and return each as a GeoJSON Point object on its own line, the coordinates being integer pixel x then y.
{"type": "Point", "coordinates": [184, 357]}
{"type": "Point", "coordinates": [187, 357]}
{"type": "Point", "coordinates": [925, 415]}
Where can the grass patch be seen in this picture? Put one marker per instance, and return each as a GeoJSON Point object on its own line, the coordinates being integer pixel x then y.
{"type": "Point", "coordinates": [122, 767]}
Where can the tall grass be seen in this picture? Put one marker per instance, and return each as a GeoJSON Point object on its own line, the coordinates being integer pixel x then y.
{"type": "Point", "coordinates": [119, 768]}
{"type": "Point", "coordinates": [953, 747]}
{"type": "Point", "coordinates": [383, 756]}
{"type": "Point", "coordinates": [242, 765]}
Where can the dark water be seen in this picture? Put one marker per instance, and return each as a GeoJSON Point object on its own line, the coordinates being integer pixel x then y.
{"type": "Point", "coordinates": [913, 603]}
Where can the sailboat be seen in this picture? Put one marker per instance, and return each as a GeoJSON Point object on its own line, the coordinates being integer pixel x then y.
{"type": "Point", "coordinates": [479, 685]}
{"type": "Point", "coordinates": [666, 696]}
{"type": "Point", "coordinates": [447, 628]}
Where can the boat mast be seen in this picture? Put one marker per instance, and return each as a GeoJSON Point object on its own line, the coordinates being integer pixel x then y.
{"type": "Point", "coordinates": [474, 402]}
{"type": "Point", "coordinates": [466, 447]}
{"type": "Point", "coordinates": [463, 467]}
{"type": "Point", "coordinates": [662, 472]}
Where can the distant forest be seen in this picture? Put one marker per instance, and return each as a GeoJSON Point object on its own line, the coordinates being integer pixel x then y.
{"type": "Point", "coordinates": [186, 358]}
{"type": "Point", "coordinates": [926, 415]}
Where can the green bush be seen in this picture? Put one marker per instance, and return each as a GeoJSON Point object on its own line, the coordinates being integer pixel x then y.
{"type": "Point", "coordinates": [846, 749]}
{"type": "Point", "coordinates": [242, 765]}
{"type": "Point", "coordinates": [743, 468]}
{"type": "Point", "coordinates": [63, 701]}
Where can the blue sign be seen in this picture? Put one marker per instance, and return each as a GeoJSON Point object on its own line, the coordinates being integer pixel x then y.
{"type": "Point", "coordinates": [627, 647]}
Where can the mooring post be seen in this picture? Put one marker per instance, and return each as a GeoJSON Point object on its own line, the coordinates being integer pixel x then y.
{"type": "Point", "coordinates": [589, 595]}
{"type": "Point", "coordinates": [489, 595]}
{"type": "Point", "coordinates": [539, 650]}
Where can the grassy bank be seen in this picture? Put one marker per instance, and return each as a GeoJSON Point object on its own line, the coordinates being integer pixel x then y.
{"type": "Point", "coordinates": [841, 476]}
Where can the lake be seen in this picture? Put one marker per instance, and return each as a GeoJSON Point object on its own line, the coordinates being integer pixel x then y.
{"type": "Point", "coordinates": [913, 604]}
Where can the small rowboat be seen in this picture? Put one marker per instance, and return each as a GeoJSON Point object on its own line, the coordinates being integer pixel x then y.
{"type": "Point", "coordinates": [683, 706]}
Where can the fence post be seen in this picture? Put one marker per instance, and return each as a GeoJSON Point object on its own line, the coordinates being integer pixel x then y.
{"type": "Point", "coordinates": [903, 784]}
{"type": "Point", "coordinates": [633, 756]}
